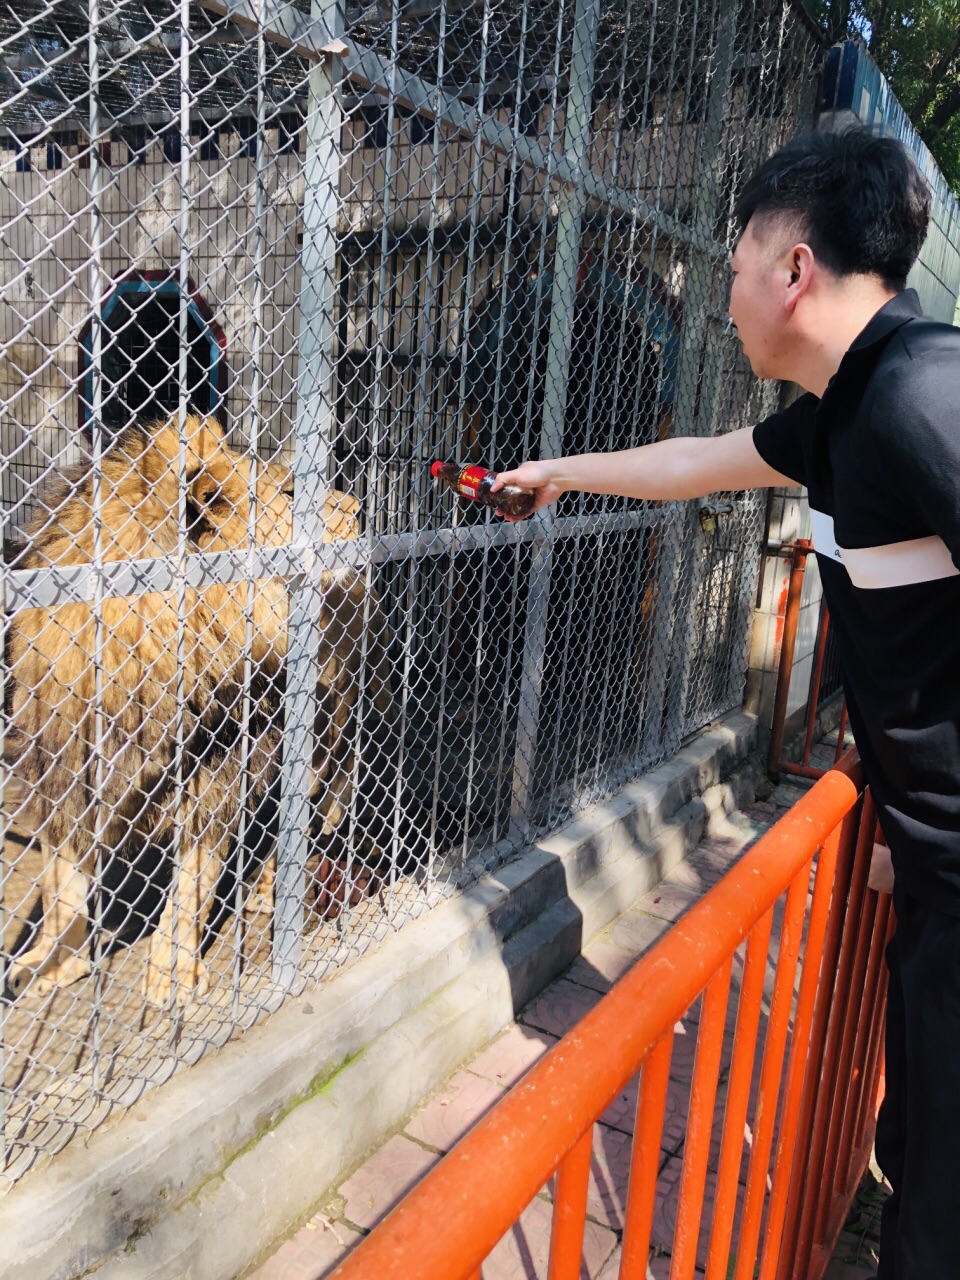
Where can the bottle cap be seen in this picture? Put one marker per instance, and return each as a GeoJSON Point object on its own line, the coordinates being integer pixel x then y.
{"type": "Point", "coordinates": [435, 469]}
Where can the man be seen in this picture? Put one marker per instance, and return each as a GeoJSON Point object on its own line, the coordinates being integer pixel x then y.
{"type": "Point", "coordinates": [831, 224]}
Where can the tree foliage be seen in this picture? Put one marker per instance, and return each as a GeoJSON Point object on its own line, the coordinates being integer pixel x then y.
{"type": "Point", "coordinates": [917, 47]}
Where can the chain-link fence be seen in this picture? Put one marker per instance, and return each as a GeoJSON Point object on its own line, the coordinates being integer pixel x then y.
{"type": "Point", "coordinates": [268, 691]}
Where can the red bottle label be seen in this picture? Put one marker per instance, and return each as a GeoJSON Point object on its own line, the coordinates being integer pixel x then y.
{"type": "Point", "coordinates": [468, 481]}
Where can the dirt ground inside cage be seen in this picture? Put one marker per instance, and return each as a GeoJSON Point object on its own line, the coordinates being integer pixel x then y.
{"type": "Point", "coordinates": [75, 1056]}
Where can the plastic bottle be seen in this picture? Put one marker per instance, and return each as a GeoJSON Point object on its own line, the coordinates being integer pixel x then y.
{"type": "Point", "coordinates": [475, 483]}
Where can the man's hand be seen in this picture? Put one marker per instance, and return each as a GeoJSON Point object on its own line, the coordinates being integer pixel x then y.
{"type": "Point", "coordinates": [539, 478]}
{"type": "Point", "coordinates": [880, 875]}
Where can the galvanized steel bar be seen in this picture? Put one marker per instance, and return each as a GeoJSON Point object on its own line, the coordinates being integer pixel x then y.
{"type": "Point", "coordinates": [576, 139]}
{"type": "Point", "coordinates": [313, 432]}
{"type": "Point", "coordinates": [254, 417]}
{"type": "Point", "coordinates": [184, 819]}
{"type": "Point", "coordinates": [48, 588]}
{"type": "Point", "coordinates": [96, 281]}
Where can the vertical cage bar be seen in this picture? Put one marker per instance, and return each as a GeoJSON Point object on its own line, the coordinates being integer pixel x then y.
{"type": "Point", "coordinates": [576, 140]}
{"type": "Point", "coordinates": [476, 172]}
{"type": "Point", "coordinates": [508, 266]}
{"type": "Point", "coordinates": [96, 277]}
{"type": "Point", "coordinates": [576, 763]}
{"type": "Point", "coordinates": [314, 429]}
{"type": "Point", "coordinates": [607, 502]}
{"type": "Point", "coordinates": [430, 354]}
{"type": "Point", "coordinates": [377, 490]}
{"type": "Point", "coordinates": [254, 417]}
{"type": "Point", "coordinates": [691, 413]}
{"type": "Point", "coordinates": [185, 815]}
{"type": "Point", "coordinates": [658, 736]}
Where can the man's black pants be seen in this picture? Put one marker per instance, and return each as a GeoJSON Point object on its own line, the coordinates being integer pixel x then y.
{"type": "Point", "coordinates": [918, 1130]}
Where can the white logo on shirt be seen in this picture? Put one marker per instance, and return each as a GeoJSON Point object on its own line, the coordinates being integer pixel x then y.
{"type": "Point", "coordinates": [898, 564]}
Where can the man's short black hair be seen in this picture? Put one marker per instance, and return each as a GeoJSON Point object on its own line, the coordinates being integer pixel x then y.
{"type": "Point", "coordinates": [859, 201]}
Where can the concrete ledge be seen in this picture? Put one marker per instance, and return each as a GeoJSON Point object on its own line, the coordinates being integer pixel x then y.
{"type": "Point", "coordinates": [206, 1172]}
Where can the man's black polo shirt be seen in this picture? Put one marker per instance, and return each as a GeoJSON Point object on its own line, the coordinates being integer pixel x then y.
{"type": "Point", "coordinates": [880, 456]}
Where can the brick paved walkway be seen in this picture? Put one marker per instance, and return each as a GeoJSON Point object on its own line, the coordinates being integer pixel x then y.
{"type": "Point", "coordinates": [363, 1198]}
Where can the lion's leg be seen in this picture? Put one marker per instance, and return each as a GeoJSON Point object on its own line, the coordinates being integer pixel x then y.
{"type": "Point", "coordinates": [181, 928]}
{"type": "Point", "coordinates": [263, 893]}
{"type": "Point", "coordinates": [59, 956]}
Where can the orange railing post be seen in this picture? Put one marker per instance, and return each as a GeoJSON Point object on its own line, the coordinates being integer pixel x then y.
{"type": "Point", "coordinates": [703, 1094]}
{"type": "Point", "coordinates": [645, 1163]}
{"type": "Point", "coordinates": [570, 1211]}
{"type": "Point", "coordinates": [814, 1106]}
{"type": "Point", "coordinates": [738, 1097]}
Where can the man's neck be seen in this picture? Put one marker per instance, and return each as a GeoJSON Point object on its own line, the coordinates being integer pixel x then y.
{"type": "Point", "coordinates": [842, 312]}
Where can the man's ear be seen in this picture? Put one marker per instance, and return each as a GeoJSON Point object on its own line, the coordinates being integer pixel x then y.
{"type": "Point", "coordinates": [801, 268]}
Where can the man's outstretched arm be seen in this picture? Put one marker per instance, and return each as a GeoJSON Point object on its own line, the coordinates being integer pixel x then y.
{"type": "Point", "coordinates": [689, 467]}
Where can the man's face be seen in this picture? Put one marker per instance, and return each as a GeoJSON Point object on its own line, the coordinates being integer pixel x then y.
{"type": "Point", "coordinates": [760, 276]}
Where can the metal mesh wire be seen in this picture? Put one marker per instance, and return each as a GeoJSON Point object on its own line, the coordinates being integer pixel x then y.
{"type": "Point", "coordinates": [269, 692]}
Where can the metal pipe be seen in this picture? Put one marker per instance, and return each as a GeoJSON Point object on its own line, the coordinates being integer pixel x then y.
{"type": "Point", "coordinates": [801, 549]}
{"type": "Point", "coordinates": [313, 433]}
{"type": "Point", "coordinates": [738, 1097]}
{"type": "Point", "coordinates": [703, 1094]}
{"type": "Point", "coordinates": [645, 1159]}
{"type": "Point", "coordinates": [816, 675]}
{"type": "Point", "coordinates": [570, 1210]}
{"type": "Point", "coordinates": [576, 137]}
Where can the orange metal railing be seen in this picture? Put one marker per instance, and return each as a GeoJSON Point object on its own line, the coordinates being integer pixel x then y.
{"type": "Point", "coordinates": [810, 1109]}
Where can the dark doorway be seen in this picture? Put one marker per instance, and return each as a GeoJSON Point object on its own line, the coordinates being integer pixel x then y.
{"type": "Point", "coordinates": [140, 356]}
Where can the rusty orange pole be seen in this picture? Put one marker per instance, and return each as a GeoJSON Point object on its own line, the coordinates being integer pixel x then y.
{"type": "Point", "coordinates": [801, 549]}
{"type": "Point", "coordinates": [869, 1100]}
{"type": "Point", "coordinates": [845, 1076]}
{"type": "Point", "coordinates": [871, 989]}
{"type": "Point", "coordinates": [841, 732]}
{"type": "Point", "coordinates": [816, 675]}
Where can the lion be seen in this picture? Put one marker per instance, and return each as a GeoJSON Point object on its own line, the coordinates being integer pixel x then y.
{"type": "Point", "coordinates": [127, 728]}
